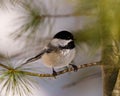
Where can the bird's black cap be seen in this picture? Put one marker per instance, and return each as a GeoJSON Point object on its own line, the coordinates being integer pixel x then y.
{"type": "Point", "coordinates": [64, 35]}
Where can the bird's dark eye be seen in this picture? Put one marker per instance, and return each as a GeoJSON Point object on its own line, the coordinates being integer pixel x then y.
{"type": "Point", "coordinates": [68, 37]}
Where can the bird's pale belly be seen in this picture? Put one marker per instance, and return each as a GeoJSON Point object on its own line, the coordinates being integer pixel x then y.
{"type": "Point", "coordinates": [58, 59]}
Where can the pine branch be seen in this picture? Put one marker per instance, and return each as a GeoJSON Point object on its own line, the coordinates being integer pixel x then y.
{"type": "Point", "coordinates": [50, 75]}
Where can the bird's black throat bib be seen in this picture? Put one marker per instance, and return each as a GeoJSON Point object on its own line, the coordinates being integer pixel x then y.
{"type": "Point", "coordinates": [70, 45]}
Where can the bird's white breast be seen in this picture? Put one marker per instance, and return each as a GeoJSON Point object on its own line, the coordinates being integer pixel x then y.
{"type": "Point", "coordinates": [59, 59]}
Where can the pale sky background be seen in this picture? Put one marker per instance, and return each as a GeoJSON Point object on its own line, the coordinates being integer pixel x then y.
{"type": "Point", "coordinates": [89, 81]}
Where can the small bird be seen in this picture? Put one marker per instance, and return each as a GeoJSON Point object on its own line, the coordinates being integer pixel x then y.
{"type": "Point", "coordinates": [59, 52]}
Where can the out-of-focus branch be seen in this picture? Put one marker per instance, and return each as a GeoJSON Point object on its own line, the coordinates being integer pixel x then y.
{"type": "Point", "coordinates": [64, 15]}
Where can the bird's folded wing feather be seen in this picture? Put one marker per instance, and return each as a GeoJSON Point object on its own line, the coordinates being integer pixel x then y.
{"type": "Point", "coordinates": [48, 49]}
{"type": "Point", "coordinates": [36, 57]}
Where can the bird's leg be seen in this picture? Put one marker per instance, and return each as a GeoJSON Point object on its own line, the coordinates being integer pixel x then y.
{"type": "Point", "coordinates": [54, 73]}
{"type": "Point", "coordinates": [74, 67]}
{"type": "Point", "coordinates": [67, 67]}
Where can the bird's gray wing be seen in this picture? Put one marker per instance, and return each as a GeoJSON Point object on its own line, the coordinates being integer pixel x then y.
{"type": "Point", "coordinates": [36, 57]}
{"type": "Point", "coordinates": [48, 49]}
{"type": "Point", "coordinates": [33, 58]}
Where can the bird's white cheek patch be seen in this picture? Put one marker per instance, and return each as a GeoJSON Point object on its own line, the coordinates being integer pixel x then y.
{"type": "Point", "coordinates": [60, 42]}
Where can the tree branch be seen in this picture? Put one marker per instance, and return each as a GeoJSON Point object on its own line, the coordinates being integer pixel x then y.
{"type": "Point", "coordinates": [50, 75]}
{"type": "Point", "coordinates": [4, 66]}
{"type": "Point", "coordinates": [62, 71]}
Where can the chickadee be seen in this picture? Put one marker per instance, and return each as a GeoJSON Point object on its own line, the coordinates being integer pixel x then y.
{"type": "Point", "coordinates": [59, 53]}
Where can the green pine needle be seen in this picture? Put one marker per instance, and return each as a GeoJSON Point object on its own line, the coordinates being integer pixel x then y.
{"type": "Point", "coordinates": [32, 20]}
{"type": "Point", "coordinates": [14, 83]}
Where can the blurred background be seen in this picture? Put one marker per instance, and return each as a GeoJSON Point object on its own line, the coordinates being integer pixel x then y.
{"type": "Point", "coordinates": [26, 26]}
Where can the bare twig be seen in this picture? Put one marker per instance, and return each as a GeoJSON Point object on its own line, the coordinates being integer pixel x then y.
{"type": "Point", "coordinates": [62, 71]}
